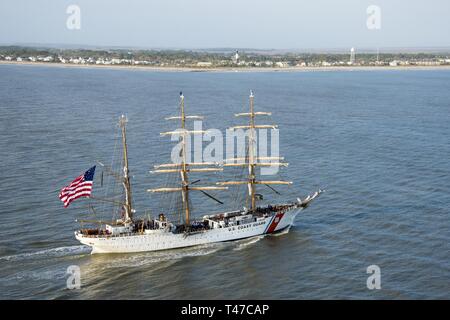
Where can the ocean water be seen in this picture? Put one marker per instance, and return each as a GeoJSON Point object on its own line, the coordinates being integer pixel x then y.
{"type": "Point", "coordinates": [377, 141]}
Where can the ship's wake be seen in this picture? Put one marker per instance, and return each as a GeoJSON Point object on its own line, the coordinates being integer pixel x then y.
{"type": "Point", "coordinates": [49, 253]}
{"type": "Point", "coordinates": [281, 233]}
{"type": "Point", "coordinates": [147, 258]}
{"type": "Point", "coordinates": [242, 244]}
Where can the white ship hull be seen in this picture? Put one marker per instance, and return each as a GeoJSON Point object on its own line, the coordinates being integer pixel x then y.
{"type": "Point", "coordinates": [163, 240]}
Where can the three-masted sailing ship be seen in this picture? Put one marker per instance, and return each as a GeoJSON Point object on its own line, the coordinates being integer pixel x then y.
{"type": "Point", "coordinates": [128, 234]}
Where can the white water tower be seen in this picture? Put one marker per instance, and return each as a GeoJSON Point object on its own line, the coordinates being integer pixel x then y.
{"type": "Point", "coordinates": [352, 55]}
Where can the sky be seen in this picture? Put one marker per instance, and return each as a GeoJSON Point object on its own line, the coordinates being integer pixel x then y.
{"type": "Point", "coordinates": [259, 24]}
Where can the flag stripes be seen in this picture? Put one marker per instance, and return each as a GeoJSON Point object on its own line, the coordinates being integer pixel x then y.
{"type": "Point", "coordinates": [80, 187]}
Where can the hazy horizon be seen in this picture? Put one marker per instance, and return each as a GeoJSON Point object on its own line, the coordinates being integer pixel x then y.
{"type": "Point", "coordinates": [201, 24]}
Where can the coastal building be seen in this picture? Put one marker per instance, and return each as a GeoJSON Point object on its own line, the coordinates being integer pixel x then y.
{"type": "Point", "coordinates": [393, 63]}
{"type": "Point", "coordinates": [204, 64]}
{"type": "Point", "coordinates": [429, 63]}
{"type": "Point", "coordinates": [281, 64]}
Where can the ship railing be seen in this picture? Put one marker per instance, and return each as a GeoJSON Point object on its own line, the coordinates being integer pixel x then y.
{"type": "Point", "coordinates": [128, 234]}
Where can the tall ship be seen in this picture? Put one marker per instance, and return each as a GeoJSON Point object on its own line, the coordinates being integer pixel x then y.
{"type": "Point", "coordinates": [129, 234]}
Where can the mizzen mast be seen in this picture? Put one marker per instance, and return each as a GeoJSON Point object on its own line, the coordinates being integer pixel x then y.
{"type": "Point", "coordinates": [126, 178]}
{"type": "Point", "coordinates": [185, 166]}
{"type": "Point", "coordinates": [252, 160]}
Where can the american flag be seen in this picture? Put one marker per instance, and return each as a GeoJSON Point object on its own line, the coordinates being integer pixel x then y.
{"type": "Point", "coordinates": [80, 187]}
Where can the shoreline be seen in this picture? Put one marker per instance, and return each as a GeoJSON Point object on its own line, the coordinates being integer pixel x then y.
{"type": "Point", "coordinates": [226, 69]}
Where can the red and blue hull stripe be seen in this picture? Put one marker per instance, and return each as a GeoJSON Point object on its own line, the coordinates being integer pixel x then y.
{"type": "Point", "coordinates": [271, 227]}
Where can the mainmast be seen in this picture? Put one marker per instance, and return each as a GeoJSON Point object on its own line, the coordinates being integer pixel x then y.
{"type": "Point", "coordinates": [183, 172]}
{"type": "Point", "coordinates": [185, 166]}
{"type": "Point", "coordinates": [251, 155]}
{"type": "Point", "coordinates": [126, 178]}
{"type": "Point", "coordinates": [252, 160]}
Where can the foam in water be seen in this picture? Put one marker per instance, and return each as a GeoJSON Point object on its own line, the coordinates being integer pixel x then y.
{"type": "Point", "coordinates": [281, 233]}
{"type": "Point", "coordinates": [53, 252]}
{"type": "Point", "coordinates": [140, 259]}
{"type": "Point", "coordinates": [40, 275]}
{"type": "Point", "coordinates": [242, 244]}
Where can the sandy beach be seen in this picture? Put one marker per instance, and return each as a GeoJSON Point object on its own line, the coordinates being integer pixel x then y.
{"type": "Point", "coordinates": [227, 69]}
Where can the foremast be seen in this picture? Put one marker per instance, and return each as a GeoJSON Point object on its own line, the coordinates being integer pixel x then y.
{"type": "Point", "coordinates": [185, 166]}
{"type": "Point", "coordinates": [128, 210]}
{"type": "Point", "coordinates": [252, 160]}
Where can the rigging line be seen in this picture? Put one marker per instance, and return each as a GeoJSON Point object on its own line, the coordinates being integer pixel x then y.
{"type": "Point", "coordinates": [170, 199]}
{"type": "Point", "coordinates": [243, 196]}
{"type": "Point", "coordinates": [235, 174]}
{"type": "Point", "coordinates": [237, 194]}
{"type": "Point", "coordinates": [114, 162]}
{"type": "Point", "coordinates": [272, 188]}
{"type": "Point", "coordinates": [247, 198]}
{"type": "Point", "coordinates": [210, 196]}
{"type": "Point", "coordinates": [193, 218]}
{"type": "Point", "coordinates": [120, 185]}
{"type": "Point", "coordinates": [108, 182]}
{"type": "Point", "coordinates": [176, 208]}
{"type": "Point", "coordinates": [235, 191]}
{"type": "Point", "coordinates": [167, 200]}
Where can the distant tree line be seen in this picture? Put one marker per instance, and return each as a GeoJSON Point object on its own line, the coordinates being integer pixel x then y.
{"type": "Point", "coordinates": [192, 57]}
